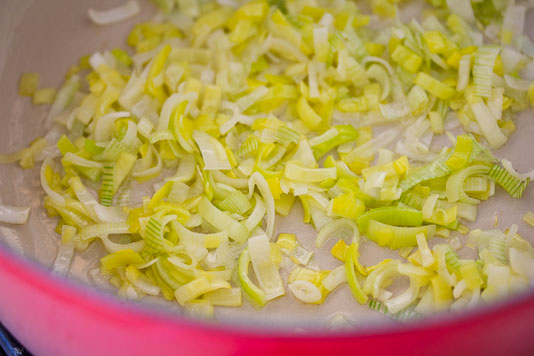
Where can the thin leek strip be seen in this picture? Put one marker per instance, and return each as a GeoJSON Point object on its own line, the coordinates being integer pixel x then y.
{"type": "Point", "coordinates": [440, 252]}
{"type": "Point", "coordinates": [346, 205]}
{"type": "Point", "coordinates": [130, 141]}
{"type": "Point", "coordinates": [54, 196]}
{"type": "Point", "coordinates": [222, 221]}
{"type": "Point", "coordinates": [488, 124]}
{"type": "Point", "coordinates": [516, 83]}
{"type": "Point", "coordinates": [369, 148]}
{"type": "Point", "coordinates": [111, 247]}
{"type": "Point", "coordinates": [396, 237]}
{"type": "Point", "coordinates": [105, 123]}
{"type": "Point", "coordinates": [257, 213]}
{"type": "Point", "coordinates": [72, 215]}
{"type": "Point", "coordinates": [463, 210]}
{"type": "Point", "coordinates": [183, 128]}
{"type": "Point", "coordinates": [225, 297]}
{"type": "Point", "coordinates": [97, 212]}
{"type": "Point", "coordinates": [462, 9]}
{"type": "Point", "coordinates": [464, 71]}
{"type": "Point", "coordinates": [382, 273]}
{"type": "Point", "coordinates": [28, 84]}
{"type": "Point", "coordinates": [304, 155]}
{"type": "Point", "coordinates": [233, 182]}
{"type": "Point", "coordinates": [116, 14]}
{"type": "Point", "coordinates": [111, 151]}
{"type": "Point", "coordinates": [156, 67]}
{"type": "Point", "coordinates": [442, 292]}
{"type": "Point", "coordinates": [257, 180]}
{"type": "Point", "coordinates": [485, 57]}
{"type": "Point", "coordinates": [27, 156]}
{"type": "Point", "coordinates": [417, 99]}
{"type": "Point", "coordinates": [335, 278]}
{"type": "Point", "coordinates": [248, 100]}
{"type": "Point", "coordinates": [392, 216]}
{"type": "Point", "coordinates": [308, 175]}
{"type": "Point", "coordinates": [74, 159]}
{"type": "Point", "coordinates": [455, 183]}
{"type": "Point", "coordinates": [209, 240]}
{"type": "Point", "coordinates": [175, 105]}
{"type": "Point", "coordinates": [452, 260]}
{"type": "Point", "coordinates": [436, 169]}
{"type": "Point", "coordinates": [434, 86]}
{"type": "Point", "coordinates": [103, 229]}
{"type": "Point", "coordinates": [403, 315]}
{"type": "Point", "coordinates": [333, 228]}
{"type": "Point", "coordinates": [312, 81]}
{"type": "Point", "coordinates": [249, 147]}
{"type": "Point", "coordinates": [378, 73]}
{"type": "Point", "coordinates": [265, 269]}
{"type": "Point", "coordinates": [403, 300]}
{"type": "Point", "coordinates": [306, 113]}
{"type": "Point", "coordinates": [119, 259]}
{"type": "Point", "coordinates": [514, 185]}
{"type": "Point", "coordinates": [528, 217]}
{"type": "Point", "coordinates": [141, 173]}
{"type": "Point", "coordinates": [462, 153]}
{"type": "Point", "coordinates": [186, 170]}
{"type": "Point", "coordinates": [137, 279]}
{"type": "Point", "coordinates": [66, 250]}
{"type": "Point", "coordinates": [305, 291]}
{"type": "Point", "coordinates": [213, 152]}
{"type": "Point", "coordinates": [106, 190]}
{"type": "Point", "coordinates": [383, 62]}
{"type": "Point", "coordinates": [63, 98]}
{"type": "Point", "coordinates": [474, 185]}
{"type": "Point", "coordinates": [198, 308]}
{"type": "Point", "coordinates": [14, 214]}
{"type": "Point", "coordinates": [251, 290]}
{"type": "Point", "coordinates": [427, 259]}
{"type": "Point", "coordinates": [352, 279]}
{"type": "Point", "coordinates": [513, 22]}
{"type": "Point", "coordinates": [187, 265]}
{"type": "Point", "coordinates": [522, 263]}
{"type": "Point", "coordinates": [429, 205]}
{"type": "Point", "coordinates": [169, 275]}
{"type": "Point", "coordinates": [506, 164]}
{"type": "Point", "coordinates": [160, 276]}
{"type": "Point", "coordinates": [44, 96]}
{"type": "Point", "coordinates": [236, 202]}
{"type": "Point", "coordinates": [197, 287]}
{"type": "Point", "coordinates": [122, 168]}
{"type": "Point", "coordinates": [331, 138]}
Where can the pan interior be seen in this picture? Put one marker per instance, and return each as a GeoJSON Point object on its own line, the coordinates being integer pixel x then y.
{"type": "Point", "coordinates": [30, 43]}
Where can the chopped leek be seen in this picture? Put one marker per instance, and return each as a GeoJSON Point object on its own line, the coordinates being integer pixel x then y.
{"type": "Point", "coordinates": [514, 185]}
{"type": "Point", "coordinates": [29, 82]}
{"type": "Point", "coordinates": [352, 279]}
{"type": "Point", "coordinates": [117, 14]}
{"type": "Point", "coordinates": [265, 267]}
{"type": "Point", "coordinates": [66, 250]}
{"type": "Point", "coordinates": [255, 293]}
{"type": "Point", "coordinates": [243, 101]}
{"type": "Point", "coordinates": [391, 215]}
{"type": "Point", "coordinates": [13, 214]}
{"type": "Point", "coordinates": [528, 217]}
{"type": "Point", "coordinates": [396, 237]}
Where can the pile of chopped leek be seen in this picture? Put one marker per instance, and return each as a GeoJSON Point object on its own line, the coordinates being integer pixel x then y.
{"type": "Point", "coordinates": [236, 111]}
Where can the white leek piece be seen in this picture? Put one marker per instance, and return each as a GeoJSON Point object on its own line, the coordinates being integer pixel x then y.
{"type": "Point", "coordinates": [116, 14]}
{"type": "Point", "coordinates": [265, 269]}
